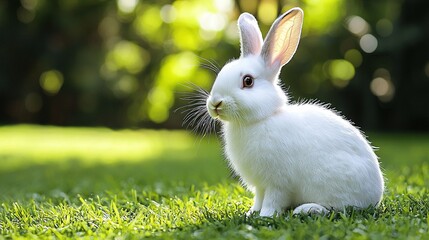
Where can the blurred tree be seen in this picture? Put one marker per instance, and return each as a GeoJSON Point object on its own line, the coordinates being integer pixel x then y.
{"type": "Point", "coordinates": [120, 63]}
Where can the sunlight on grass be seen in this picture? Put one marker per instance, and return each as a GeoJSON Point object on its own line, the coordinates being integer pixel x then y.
{"type": "Point", "coordinates": [54, 161]}
{"type": "Point", "coordinates": [89, 145]}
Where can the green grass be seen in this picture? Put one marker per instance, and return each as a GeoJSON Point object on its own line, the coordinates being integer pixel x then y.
{"type": "Point", "coordinates": [99, 183]}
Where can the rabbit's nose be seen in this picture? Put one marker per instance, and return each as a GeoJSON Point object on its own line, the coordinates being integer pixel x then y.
{"type": "Point", "coordinates": [215, 107]}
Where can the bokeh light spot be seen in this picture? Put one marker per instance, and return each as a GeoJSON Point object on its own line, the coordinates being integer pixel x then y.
{"type": "Point", "coordinates": [158, 113]}
{"type": "Point", "coordinates": [357, 25]}
{"type": "Point", "coordinates": [125, 86]}
{"type": "Point", "coordinates": [382, 86]}
{"type": "Point", "coordinates": [168, 13]}
{"type": "Point", "coordinates": [51, 81]}
{"type": "Point", "coordinates": [127, 6]}
{"type": "Point", "coordinates": [353, 56]}
{"type": "Point", "coordinates": [148, 23]}
{"type": "Point", "coordinates": [340, 72]}
{"type": "Point", "coordinates": [108, 27]}
{"type": "Point", "coordinates": [322, 16]}
{"type": "Point", "coordinates": [33, 102]}
{"type": "Point", "coordinates": [224, 5]}
{"type": "Point", "coordinates": [161, 100]}
{"type": "Point", "coordinates": [368, 43]}
{"type": "Point", "coordinates": [267, 11]}
{"type": "Point", "coordinates": [384, 27]}
{"type": "Point", "coordinates": [379, 86]}
{"type": "Point", "coordinates": [186, 38]}
{"type": "Point", "coordinates": [127, 55]}
{"type": "Point", "coordinates": [212, 21]}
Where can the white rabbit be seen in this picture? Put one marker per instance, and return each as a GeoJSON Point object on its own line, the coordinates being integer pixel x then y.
{"type": "Point", "coordinates": [301, 156]}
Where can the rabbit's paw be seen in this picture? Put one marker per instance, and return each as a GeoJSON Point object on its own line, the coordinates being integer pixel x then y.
{"type": "Point", "coordinates": [267, 212]}
{"type": "Point", "coordinates": [310, 208]}
{"type": "Point", "coordinates": [251, 212]}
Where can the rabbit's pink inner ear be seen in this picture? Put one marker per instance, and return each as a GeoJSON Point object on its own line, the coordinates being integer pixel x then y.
{"type": "Point", "coordinates": [250, 35]}
{"type": "Point", "coordinates": [283, 38]}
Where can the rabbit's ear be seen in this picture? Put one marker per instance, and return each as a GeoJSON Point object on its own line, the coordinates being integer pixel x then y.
{"type": "Point", "coordinates": [250, 35]}
{"type": "Point", "coordinates": [283, 38]}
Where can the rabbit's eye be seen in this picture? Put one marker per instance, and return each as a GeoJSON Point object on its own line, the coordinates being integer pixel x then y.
{"type": "Point", "coordinates": [248, 81]}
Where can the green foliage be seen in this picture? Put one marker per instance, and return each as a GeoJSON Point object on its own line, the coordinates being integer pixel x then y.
{"type": "Point", "coordinates": [95, 182]}
{"type": "Point", "coordinates": [120, 63]}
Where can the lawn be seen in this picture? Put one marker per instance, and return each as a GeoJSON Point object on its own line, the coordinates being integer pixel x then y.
{"type": "Point", "coordinates": [99, 183]}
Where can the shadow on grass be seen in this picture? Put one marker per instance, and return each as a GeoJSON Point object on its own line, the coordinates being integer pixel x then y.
{"type": "Point", "coordinates": [73, 177]}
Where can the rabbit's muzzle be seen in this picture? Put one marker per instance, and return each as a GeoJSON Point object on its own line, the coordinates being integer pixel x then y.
{"type": "Point", "coordinates": [214, 108]}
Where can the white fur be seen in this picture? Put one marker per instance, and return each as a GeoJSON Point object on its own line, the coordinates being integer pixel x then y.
{"type": "Point", "coordinates": [290, 155]}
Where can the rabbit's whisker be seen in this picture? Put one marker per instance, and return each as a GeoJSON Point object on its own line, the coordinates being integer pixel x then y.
{"type": "Point", "coordinates": [196, 116]}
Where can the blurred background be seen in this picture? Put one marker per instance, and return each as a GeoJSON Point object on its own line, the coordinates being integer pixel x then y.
{"type": "Point", "coordinates": [121, 64]}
